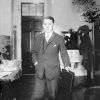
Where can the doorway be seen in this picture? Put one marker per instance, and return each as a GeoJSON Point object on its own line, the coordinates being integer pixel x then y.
{"type": "Point", "coordinates": [31, 26]}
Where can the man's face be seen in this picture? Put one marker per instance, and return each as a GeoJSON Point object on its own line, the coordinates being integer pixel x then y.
{"type": "Point", "coordinates": [48, 25]}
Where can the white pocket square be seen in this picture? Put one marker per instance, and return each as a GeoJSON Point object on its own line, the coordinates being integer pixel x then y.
{"type": "Point", "coordinates": [54, 45]}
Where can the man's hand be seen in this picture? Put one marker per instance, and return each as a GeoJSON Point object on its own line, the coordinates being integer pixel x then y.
{"type": "Point", "coordinates": [35, 63]}
{"type": "Point", "coordinates": [68, 68]}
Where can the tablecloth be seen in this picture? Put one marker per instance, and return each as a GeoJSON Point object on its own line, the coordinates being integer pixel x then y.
{"type": "Point", "coordinates": [11, 70]}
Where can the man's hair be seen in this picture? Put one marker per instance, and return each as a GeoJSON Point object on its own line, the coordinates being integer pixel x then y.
{"type": "Point", "coordinates": [49, 17]}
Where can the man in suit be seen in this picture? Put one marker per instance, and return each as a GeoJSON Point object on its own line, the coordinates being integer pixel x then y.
{"type": "Point", "coordinates": [46, 60]}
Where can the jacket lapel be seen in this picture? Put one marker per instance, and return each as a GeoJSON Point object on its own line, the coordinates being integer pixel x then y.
{"type": "Point", "coordinates": [51, 39]}
{"type": "Point", "coordinates": [46, 44]}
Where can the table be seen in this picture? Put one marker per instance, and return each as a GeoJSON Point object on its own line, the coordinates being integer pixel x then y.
{"type": "Point", "coordinates": [10, 71]}
{"type": "Point", "coordinates": [12, 75]}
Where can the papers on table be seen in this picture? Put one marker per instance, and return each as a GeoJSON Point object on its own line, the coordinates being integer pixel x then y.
{"type": "Point", "coordinates": [2, 74]}
{"type": "Point", "coordinates": [7, 68]}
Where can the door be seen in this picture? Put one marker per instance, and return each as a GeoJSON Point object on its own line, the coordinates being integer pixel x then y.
{"type": "Point", "coordinates": [31, 24]}
{"type": "Point", "coordinates": [30, 28]}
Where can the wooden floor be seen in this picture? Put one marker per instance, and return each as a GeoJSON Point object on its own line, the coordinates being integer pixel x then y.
{"type": "Point", "coordinates": [23, 88]}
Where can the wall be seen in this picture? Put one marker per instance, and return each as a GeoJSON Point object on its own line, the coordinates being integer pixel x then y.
{"type": "Point", "coordinates": [65, 15]}
{"type": "Point", "coordinates": [5, 17]}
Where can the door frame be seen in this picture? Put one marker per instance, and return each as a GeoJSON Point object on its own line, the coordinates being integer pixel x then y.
{"type": "Point", "coordinates": [16, 20]}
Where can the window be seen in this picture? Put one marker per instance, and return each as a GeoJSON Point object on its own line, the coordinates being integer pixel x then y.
{"type": "Point", "coordinates": [31, 9]}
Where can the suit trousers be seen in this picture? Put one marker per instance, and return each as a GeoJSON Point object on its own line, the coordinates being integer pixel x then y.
{"type": "Point", "coordinates": [44, 87]}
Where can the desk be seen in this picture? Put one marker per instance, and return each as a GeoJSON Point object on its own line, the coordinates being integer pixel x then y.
{"type": "Point", "coordinates": [11, 75]}
{"type": "Point", "coordinates": [10, 70]}
{"type": "Point", "coordinates": [7, 75]}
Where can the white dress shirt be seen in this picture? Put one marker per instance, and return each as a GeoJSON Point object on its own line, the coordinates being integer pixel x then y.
{"type": "Point", "coordinates": [48, 36]}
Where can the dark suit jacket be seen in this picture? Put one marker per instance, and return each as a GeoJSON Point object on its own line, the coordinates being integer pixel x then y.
{"type": "Point", "coordinates": [47, 55]}
{"type": "Point", "coordinates": [85, 49]}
